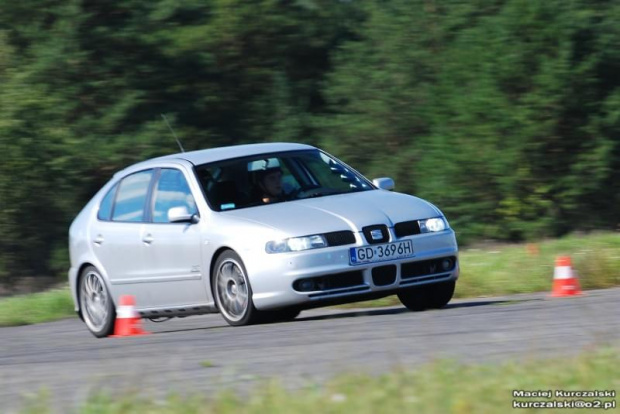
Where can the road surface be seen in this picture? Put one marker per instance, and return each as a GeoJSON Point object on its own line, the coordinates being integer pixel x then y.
{"type": "Point", "coordinates": [202, 354]}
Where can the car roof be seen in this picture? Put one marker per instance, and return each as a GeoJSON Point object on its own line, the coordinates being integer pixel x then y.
{"type": "Point", "coordinates": [223, 153]}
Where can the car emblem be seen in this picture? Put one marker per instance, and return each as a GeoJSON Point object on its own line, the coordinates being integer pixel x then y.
{"type": "Point", "coordinates": [376, 234]}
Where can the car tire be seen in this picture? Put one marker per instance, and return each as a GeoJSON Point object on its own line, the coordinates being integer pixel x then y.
{"type": "Point", "coordinates": [433, 296]}
{"type": "Point", "coordinates": [280, 315]}
{"type": "Point", "coordinates": [96, 304]}
{"type": "Point", "coordinates": [232, 290]}
{"type": "Point", "coordinates": [414, 299]}
{"type": "Point", "coordinates": [440, 294]}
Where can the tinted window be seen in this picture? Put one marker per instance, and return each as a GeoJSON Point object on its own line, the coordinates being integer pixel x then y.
{"type": "Point", "coordinates": [131, 197]}
{"type": "Point", "coordinates": [331, 174]}
{"type": "Point", "coordinates": [171, 191]}
{"type": "Point", "coordinates": [105, 208]}
{"type": "Point", "coordinates": [276, 177]}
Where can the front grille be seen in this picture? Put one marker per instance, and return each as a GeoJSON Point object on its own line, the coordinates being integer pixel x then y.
{"type": "Point", "coordinates": [370, 231]}
{"type": "Point", "coordinates": [407, 228]}
{"type": "Point", "coordinates": [384, 275]}
{"type": "Point", "coordinates": [427, 267]}
{"type": "Point", "coordinates": [339, 238]}
{"type": "Point", "coordinates": [329, 282]}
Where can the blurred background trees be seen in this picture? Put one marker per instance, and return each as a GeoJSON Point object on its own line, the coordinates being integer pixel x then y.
{"type": "Point", "coordinates": [504, 113]}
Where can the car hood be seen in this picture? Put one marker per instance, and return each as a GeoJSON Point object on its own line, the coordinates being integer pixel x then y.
{"type": "Point", "coordinates": [338, 212]}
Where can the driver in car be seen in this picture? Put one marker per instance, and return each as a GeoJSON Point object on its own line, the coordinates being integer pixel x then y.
{"type": "Point", "coordinates": [270, 184]}
{"type": "Point", "coordinates": [267, 179]}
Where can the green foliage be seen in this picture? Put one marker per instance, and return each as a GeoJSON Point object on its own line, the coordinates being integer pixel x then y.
{"type": "Point", "coordinates": [85, 84]}
{"type": "Point", "coordinates": [493, 111]}
{"type": "Point", "coordinates": [504, 113]}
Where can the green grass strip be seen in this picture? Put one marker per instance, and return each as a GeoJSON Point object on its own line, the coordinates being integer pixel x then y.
{"type": "Point", "coordinates": [438, 387]}
{"type": "Point", "coordinates": [488, 271]}
{"type": "Point", "coordinates": [36, 308]}
{"type": "Point", "coordinates": [527, 268]}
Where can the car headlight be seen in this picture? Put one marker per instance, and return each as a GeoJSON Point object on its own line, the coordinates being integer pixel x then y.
{"type": "Point", "coordinates": [296, 244]}
{"type": "Point", "coordinates": [432, 225]}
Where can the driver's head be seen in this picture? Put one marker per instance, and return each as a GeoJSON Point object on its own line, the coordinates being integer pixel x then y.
{"type": "Point", "coordinates": [270, 182]}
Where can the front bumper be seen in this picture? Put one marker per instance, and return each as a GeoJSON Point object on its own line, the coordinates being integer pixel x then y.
{"type": "Point", "coordinates": [276, 278]}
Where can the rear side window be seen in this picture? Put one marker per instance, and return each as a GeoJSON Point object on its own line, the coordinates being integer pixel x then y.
{"type": "Point", "coordinates": [131, 197]}
{"type": "Point", "coordinates": [171, 191]}
{"type": "Point", "coordinates": [105, 208]}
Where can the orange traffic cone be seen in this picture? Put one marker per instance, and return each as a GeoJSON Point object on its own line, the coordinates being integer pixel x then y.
{"type": "Point", "coordinates": [565, 281]}
{"type": "Point", "coordinates": [128, 322]}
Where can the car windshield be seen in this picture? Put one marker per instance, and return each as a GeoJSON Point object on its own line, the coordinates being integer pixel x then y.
{"type": "Point", "coordinates": [276, 177]}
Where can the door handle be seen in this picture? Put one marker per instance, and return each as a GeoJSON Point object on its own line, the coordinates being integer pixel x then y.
{"type": "Point", "coordinates": [98, 240]}
{"type": "Point", "coordinates": [148, 239]}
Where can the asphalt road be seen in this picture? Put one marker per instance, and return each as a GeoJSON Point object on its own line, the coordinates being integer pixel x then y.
{"type": "Point", "coordinates": [202, 354]}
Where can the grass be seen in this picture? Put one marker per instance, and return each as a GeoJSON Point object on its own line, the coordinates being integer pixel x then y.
{"type": "Point", "coordinates": [527, 268]}
{"type": "Point", "coordinates": [485, 271]}
{"type": "Point", "coordinates": [36, 308]}
{"type": "Point", "coordinates": [437, 387]}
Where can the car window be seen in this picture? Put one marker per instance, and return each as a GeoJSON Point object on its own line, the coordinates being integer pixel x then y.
{"type": "Point", "coordinates": [105, 208]}
{"type": "Point", "coordinates": [328, 174]}
{"type": "Point", "coordinates": [171, 191]}
{"type": "Point", "coordinates": [276, 177]}
{"type": "Point", "coordinates": [131, 197]}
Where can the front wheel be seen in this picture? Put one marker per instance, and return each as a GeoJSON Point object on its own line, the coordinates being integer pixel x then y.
{"type": "Point", "coordinates": [96, 303]}
{"type": "Point", "coordinates": [441, 294]}
{"type": "Point", "coordinates": [434, 296]}
{"type": "Point", "coordinates": [280, 315]}
{"type": "Point", "coordinates": [233, 293]}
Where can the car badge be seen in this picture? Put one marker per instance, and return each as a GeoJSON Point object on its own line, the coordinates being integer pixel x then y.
{"type": "Point", "coordinates": [376, 234]}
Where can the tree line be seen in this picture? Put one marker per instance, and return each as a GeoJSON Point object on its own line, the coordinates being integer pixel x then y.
{"type": "Point", "coordinates": [504, 113]}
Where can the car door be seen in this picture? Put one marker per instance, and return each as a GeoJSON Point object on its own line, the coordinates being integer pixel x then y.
{"type": "Point", "coordinates": [117, 235]}
{"type": "Point", "coordinates": [173, 250]}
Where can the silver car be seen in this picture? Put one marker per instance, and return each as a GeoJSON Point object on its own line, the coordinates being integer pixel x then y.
{"type": "Point", "coordinates": [257, 233]}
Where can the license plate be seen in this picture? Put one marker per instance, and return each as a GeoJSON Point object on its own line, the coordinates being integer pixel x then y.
{"type": "Point", "coordinates": [380, 252]}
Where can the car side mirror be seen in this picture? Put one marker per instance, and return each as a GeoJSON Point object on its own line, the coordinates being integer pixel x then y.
{"type": "Point", "coordinates": [384, 183]}
{"type": "Point", "coordinates": [181, 215]}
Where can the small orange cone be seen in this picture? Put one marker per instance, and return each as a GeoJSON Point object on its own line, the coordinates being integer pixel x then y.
{"type": "Point", "coordinates": [128, 322]}
{"type": "Point", "coordinates": [532, 249]}
{"type": "Point", "coordinates": [565, 281]}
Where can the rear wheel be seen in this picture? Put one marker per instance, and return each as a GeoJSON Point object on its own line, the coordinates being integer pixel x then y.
{"type": "Point", "coordinates": [433, 296]}
{"type": "Point", "coordinates": [96, 303]}
{"type": "Point", "coordinates": [233, 293]}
